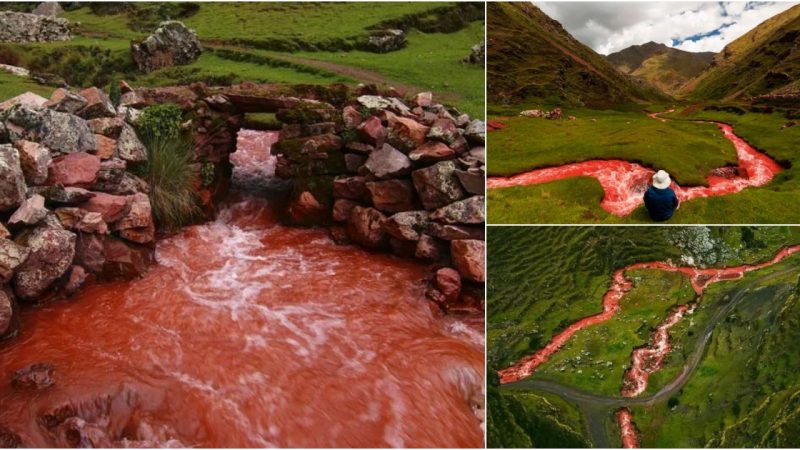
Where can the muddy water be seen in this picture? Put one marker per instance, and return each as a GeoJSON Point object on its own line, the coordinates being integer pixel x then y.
{"type": "Point", "coordinates": [248, 333]}
{"type": "Point", "coordinates": [624, 183]}
{"type": "Point", "coordinates": [648, 359]}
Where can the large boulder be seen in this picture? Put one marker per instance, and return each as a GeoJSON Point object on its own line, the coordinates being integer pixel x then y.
{"type": "Point", "coordinates": [125, 260]}
{"type": "Point", "coordinates": [12, 179]}
{"type": "Point", "coordinates": [392, 196]}
{"type": "Point", "coordinates": [65, 133]}
{"type": "Point", "coordinates": [90, 252]}
{"type": "Point", "coordinates": [437, 185]}
{"type": "Point", "coordinates": [111, 207]}
{"type": "Point", "coordinates": [23, 27]}
{"type": "Point", "coordinates": [74, 169]}
{"type": "Point", "coordinates": [384, 41]}
{"type": "Point", "coordinates": [468, 257]}
{"type": "Point", "coordinates": [171, 44]}
{"type": "Point", "coordinates": [388, 162]}
{"type": "Point", "coordinates": [129, 147]}
{"type": "Point", "coordinates": [27, 99]}
{"type": "Point", "coordinates": [11, 257]}
{"type": "Point", "coordinates": [51, 253]}
{"type": "Point", "coordinates": [408, 225]}
{"type": "Point", "coordinates": [406, 134]}
{"type": "Point", "coordinates": [364, 227]}
{"type": "Point", "coordinates": [34, 159]}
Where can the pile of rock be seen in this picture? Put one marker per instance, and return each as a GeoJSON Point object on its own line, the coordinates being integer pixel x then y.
{"type": "Point", "coordinates": [172, 43]}
{"type": "Point", "coordinates": [555, 114]}
{"type": "Point", "coordinates": [25, 27]}
{"type": "Point", "coordinates": [69, 208]}
{"type": "Point", "coordinates": [412, 179]}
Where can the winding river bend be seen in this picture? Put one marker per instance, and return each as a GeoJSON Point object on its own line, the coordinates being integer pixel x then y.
{"type": "Point", "coordinates": [644, 360]}
{"type": "Point", "coordinates": [624, 182]}
{"type": "Point", "coordinates": [251, 334]}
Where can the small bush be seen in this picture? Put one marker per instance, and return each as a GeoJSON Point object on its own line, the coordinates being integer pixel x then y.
{"type": "Point", "coordinates": [168, 170]}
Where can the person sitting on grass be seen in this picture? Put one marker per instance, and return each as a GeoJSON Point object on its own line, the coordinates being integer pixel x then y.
{"type": "Point", "coordinates": [660, 200]}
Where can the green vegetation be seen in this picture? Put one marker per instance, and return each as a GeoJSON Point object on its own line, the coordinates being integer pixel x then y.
{"type": "Point", "coordinates": [12, 85]}
{"type": "Point", "coordinates": [168, 171]}
{"type": "Point", "coordinates": [664, 67]}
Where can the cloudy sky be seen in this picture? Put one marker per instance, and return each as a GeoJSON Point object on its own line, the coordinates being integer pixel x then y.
{"type": "Point", "coordinates": [608, 27]}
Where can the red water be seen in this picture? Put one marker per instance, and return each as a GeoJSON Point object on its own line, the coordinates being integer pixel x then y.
{"type": "Point", "coordinates": [251, 334]}
{"type": "Point", "coordinates": [646, 359]}
{"type": "Point", "coordinates": [627, 430]}
{"type": "Point", "coordinates": [624, 183]}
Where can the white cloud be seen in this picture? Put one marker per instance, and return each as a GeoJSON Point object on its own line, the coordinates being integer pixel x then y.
{"type": "Point", "coordinates": [608, 27]}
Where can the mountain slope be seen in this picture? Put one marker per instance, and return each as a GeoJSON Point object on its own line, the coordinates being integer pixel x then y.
{"type": "Point", "coordinates": [664, 67]}
{"type": "Point", "coordinates": [532, 57]}
{"type": "Point", "coordinates": [765, 59]}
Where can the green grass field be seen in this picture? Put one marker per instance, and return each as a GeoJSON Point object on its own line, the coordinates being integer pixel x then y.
{"type": "Point", "coordinates": [532, 143]}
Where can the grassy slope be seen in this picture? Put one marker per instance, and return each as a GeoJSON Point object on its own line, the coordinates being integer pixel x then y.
{"type": "Point", "coordinates": [12, 85]}
{"type": "Point", "coordinates": [746, 391]}
{"type": "Point", "coordinates": [560, 275]}
{"type": "Point", "coordinates": [429, 58]}
{"type": "Point", "coordinates": [758, 62]}
{"type": "Point", "coordinates": [532, 57]}
{"type": "Point", "coordinates": [664, 67]}
{"type": "Point", "coordinates": [577, 200]}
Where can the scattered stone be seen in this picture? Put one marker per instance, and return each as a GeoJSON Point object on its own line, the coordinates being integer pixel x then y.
{"type": "Point", "coordinates": [477, 54]}
{"type": "Point", "coordinates": [387, 162]}
{"type": "Point", "coordinates": [65, 101]}
{"type": "Point", "coordinates": [65, 133]}
{"type": "Point", "coordinates": [408, 225]}
{"type": "Point", "coordinates": [437, 185]}
{"type": "Point", "coordinates": [51, 253]}
{"type": "Point", "coordinates": [31, 212]}
{"type": "Point", "coordinates": [171, 44]}
{"type": "Point", "coordinates": [468, 258]}
{"type": "Point", "coordinates": [431, 152]}
{"type": "Point", "coordinates": [384, 41]}
{"type": "Point", "coordinates": [12, 179]}
{"type": "Point", "coordinates": [467, 211]}
{"type": "Point", "coordinates": [97, 104]}
{"type": "Point", "coordinates": [23, 27]}
{"type": "Point", "coordinates": [129, 147]}
{"type": "Point", "coordinates": [11, 257]}
{"type": "Point", "coordinates": [572, 118]}
{"type": "Point", "coordinates": [534, 113]}
{"type": "Point", "coordinates": [37, 376]}
{"type": "Point", "coordinates": [448, 282]}
{"type": "Point", "coordinates": [364, 227]}
{"type": "Point", "coordinates": [34, 160]}
{"type": "Point", "coordinates": [555, 114]}
{"type": "Point", "coordinates": [391, 196]}
{"type": "Point", "coordinates": [74, 169]}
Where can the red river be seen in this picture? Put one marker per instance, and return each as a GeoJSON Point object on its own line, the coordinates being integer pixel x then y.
{"type": "Point", "coordinates": [250, 334]}
{"type": "Point", "coordinates": [647, 359]}
{"type": "Point", "coordinates": [624, 183]}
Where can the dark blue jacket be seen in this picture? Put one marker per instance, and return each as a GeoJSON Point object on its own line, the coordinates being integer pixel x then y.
{"type": "Point", "coordinates": [660, 203]}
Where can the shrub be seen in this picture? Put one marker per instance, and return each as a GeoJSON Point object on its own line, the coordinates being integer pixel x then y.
{"type": "Point", "coordinates": [8, 56]}
{"type": "Point", "coordinates": [168, 170]}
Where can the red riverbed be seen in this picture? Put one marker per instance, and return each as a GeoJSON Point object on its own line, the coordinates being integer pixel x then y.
{"type": "Point", "coordinates": [624, 183]}
{"type": "Point", "coordinates": [647, 359]}
{"type": "Point", "coordinates": [251, 334]}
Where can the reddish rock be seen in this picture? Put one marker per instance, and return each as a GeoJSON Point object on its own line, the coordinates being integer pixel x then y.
{"type": "Point", "coordinates": [139, 215]}
{"type": "Point", "coordinates": [437, 185]}
{"type": "Point", "coordinates": [472, 180]}
{"type": "Point", "coordinates": [423, 99]}
{"type": "Point", "coordinates": [443, 130]}
{"type": "Point", "coordinates": [105, 146]}
{"type": "Point", "coordinates": [353, 188]}
{"type": "Point", "coordinates": [51, 253]}
{"type": "Point", "coordinates": [468, 258]}
{"type": "Point", "coordinates": [125, 260]}
{"type": "Point", "coordinates": [342, 209]}
{"type": "Point", "coordinates": [92, 222]}
{"type": "Point", "coordinates": [107, 126]}
{"type": "Point", "coordinates": [34, 159]}
{"type": "Point", "coordinates": [141, 235]}
{"type": "Point", "coordinates": [431, 152]}
{"type": "Point", "coordinates": [12, 180]}
{"type": "Point", "coordinates": [89, 252]}
{"type": "Point", "coordinates": [460, 145]}
{"type": "Point", "coordinates": [408, 225]}
{"type": "Point", "coordinates": [97, 104]}
{"type": "Point", "coordinates": [69, 217]}
{"type": "Point", "coordinates": [364, 227]}
{"type": "Point", "coordinates": [11, 257]}
{"type": "Point", "coordinates": [391, 196]}
{"type": "Point", "coordinates": [30, 213]}
{"type": "Point", "coordinates": [387, 162]}
{"type": "Point", "coordinates": [306, 209]}
{"type": "Point", "coordinates": [37, 376]}
{"type": "Point", "coordinates": [112, 207]}
{"type": "Point", "coordinates": [448, 282]}
{"type": "Point", "coordinates": [453, 232]}
{"type": "Point", "coordinates": [353, 162]}
{"type": "Point", "coordinates": [351, 117]}
{"type": "Point", "coordinates": [4, 233]}
{"type": "Point", "coordinates": [77, 276]}
{"type": "Point", "coordinates": [76, 169]}
{"type": "Point", "coordinates": [339, 235]}
{"type": "Point", "coordinates": [129, 147]}
{"type": "Point", "coordinates": [403, 248]}
{"type": "Point", "coordinates": [407, 134]}
{"type": "Point", "coordinates": [359, 147]}
{"type": "Point", "coordinates": [373, 131]}
{"type": "Point", "coordinates": [6, 314]}
{"type": "Point", "coordinates": [63, 100]}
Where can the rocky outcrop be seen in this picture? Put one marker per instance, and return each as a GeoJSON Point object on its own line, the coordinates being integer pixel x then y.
{"type": "Point", "coordinates": [172, 43]}
{"type": "Point", "coordinates": [384, 41]}
{"type": "Point", "coordinates": [23, 27]}
{"type": "Point", "coordinates": [51, 254]}
{"type": "Point", "coordinates": [477, 54]}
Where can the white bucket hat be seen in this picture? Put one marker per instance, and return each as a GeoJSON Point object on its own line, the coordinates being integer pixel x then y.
{"type": "Point", "coordinates": [661, 180]}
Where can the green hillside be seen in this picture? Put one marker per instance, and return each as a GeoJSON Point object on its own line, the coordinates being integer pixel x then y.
{"type": "Point", "coordinates": [763, 60]}
{"type": "Point", "coordinates": [533, 58]}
